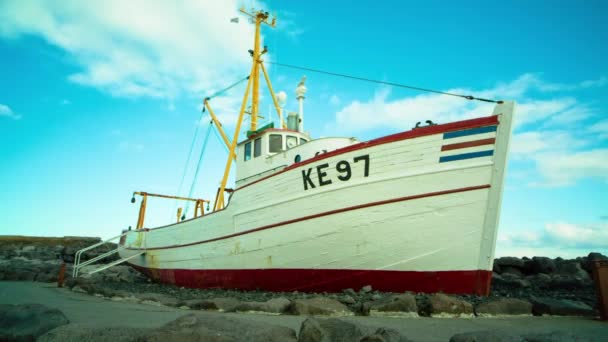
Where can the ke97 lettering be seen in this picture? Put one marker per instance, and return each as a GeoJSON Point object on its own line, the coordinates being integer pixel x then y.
{"type": "Point", "coordinates": [317, 176]}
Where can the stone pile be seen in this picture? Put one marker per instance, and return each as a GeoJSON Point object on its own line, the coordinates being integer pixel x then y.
{"type": "Point", "coordinates": [40, 258]}
{"type": "Point", "coordinates": [520, 286]}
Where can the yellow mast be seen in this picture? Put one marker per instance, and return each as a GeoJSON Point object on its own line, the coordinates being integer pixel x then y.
{"type": "Point", "coordinates": [253, 84]}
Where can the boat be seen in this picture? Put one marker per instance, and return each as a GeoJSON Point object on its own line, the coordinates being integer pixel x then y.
{"type": "Point", "coordinates": [413, 211]}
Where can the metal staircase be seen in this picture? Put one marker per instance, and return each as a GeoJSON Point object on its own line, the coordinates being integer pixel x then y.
{"type": "Point", "coordinates": [122, 245]}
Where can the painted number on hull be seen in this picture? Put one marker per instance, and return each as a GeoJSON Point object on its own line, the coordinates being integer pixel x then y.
{"type": "Point", "coordinates": [343, 168]}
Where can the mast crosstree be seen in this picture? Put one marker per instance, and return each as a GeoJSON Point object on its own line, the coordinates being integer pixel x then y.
{"type": "Point", "coordinates": [253, 84]}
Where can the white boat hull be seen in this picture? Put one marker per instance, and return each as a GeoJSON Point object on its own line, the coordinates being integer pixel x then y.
{"type": "Point", "coordinates": [417, 211]}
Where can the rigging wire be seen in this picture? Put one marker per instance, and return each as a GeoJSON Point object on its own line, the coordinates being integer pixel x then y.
{"type": "Point", "coordinates": [198, 166]}
{"type": "Point", "coordinates": [468, 97]}
{"type": "Point", "coordinates": [220, 92]}
{"type": "Point", "coordinates": [181, 183]}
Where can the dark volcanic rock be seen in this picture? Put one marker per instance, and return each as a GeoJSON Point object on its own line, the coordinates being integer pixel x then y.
{"type": "Point", "coordinates": [332, 329]}
{"type": "Point", "coordinates": [504, 306]}
{"type": "Point", "coordinates": [395, 305]}
{"type": "Point", "coordinates": [561, 307]}
{"type": "Point", "coordinates": [28, 321]}
{"type": "Point", "coordinates": [510, 262]}
{"type": "Point", "coordinates": [486, 336]}
{"type": "Point", "coordinates": [542, 265]}
{"type": "Point", "coordinates": [319, 306]}
{"type": "Point", "coordinates": [510, 281]}
{"type": "Point", "coordinates": [441, 304]}
{"type": "Point", "coordinates": [219, 328]}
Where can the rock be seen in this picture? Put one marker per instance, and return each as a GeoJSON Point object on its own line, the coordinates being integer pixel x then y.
{"type": "Point", "coordinates": [542, 265]}
{"type": "Point", "coordinates": [75, 332]}
{"type": "Point", "coordinates": [395, 305]}
{"type": "Point", "coordinates": [573, 269]}
{"type": "Point", "coordinates": [219, 328]}
{"type": "Point", "coordinates": [275, 305]}
{"type": "Point", "coordinates": [567, 282]}
{"type": "Point", "coordinates": [509, 262]}
{"type": "Point", "coordinates": [319, 306]}
{"type": "Point", "coordinates": [509, 281]}
{"type": "Point", "coordinates": [441, 304]}
{"type": "Point", "coordinates": [151, 297]}
{"type": "Point", "coordinates": [554, 336]}
{"type": "Point", "coordinates": [332, 329]}
{"type": "Point", "coordinates": [366, 289]}
{"type": "Point", "coordinates": [27, 322]}
{"type": "Point", "coordinates": [350, 292]}
{"type": "Point", "coordinates": [225, 304]}
{"type": "Point", "coordinates": [486, 336]}
{"type": "Point", "coordinates": [348, 300]}
{"type": "Point", "coordinates": [504, 306]}
{"type": "Point", "coordinates": [512, 270]}
{"type": "Point", "coordinates": [540, 280]}
{"type": "Point", "coordinates": [385, 335]}
{"type": "Point", "coordinates": [591, 258]}
{"type": "Point", "coordinates": [561, 307]}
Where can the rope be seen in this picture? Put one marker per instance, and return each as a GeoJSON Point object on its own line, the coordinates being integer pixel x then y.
{"type": "Point", "coordinates": [198, 166]}
{"type": "Point", "coordinates": [220, 92]}
{"type": "Point", "coordinates": [217, 134]}
{"type": "Point", "coordinates": [468, 97]}
{"type": "Point", "coordinates": [181, 183]}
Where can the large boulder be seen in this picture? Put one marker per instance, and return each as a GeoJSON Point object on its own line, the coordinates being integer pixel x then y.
{"type": "Point", "coordinates": [317, 330]}
{"type": "Point", "coordinates": [444, 305]}
{"type": "Point", "coordinates": [541, 265]}
{"type": "Point", "coordinates": [561, 307]}
{"type": "Point", "coordinates": [27, 322]}
{"type": "Point", "coordinates": [274, 306]}
{"type": "Point", "coordinates": [219, 328]}
{"type": "Point", "coordinates": [319, 306]}
{"type": "Point", "coordinates": [395, 305]}
{"type": "Point", "coordinates": [509, 262]}
{"type": "Point", "coordinates": [504, 306]}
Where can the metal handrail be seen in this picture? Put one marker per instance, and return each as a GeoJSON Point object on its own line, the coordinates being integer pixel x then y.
{"type": "Point", "coordinates": [78, 255]}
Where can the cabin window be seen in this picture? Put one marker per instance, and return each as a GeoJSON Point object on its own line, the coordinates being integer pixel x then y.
{"type": "Point", "coordinates": [275, 143]}
{"type": "Point", "coordinates": [257, 147]}
{"type": "Point", "coordinates": [247, 154]}
{"type": "Point", "coordinates": [302, 141]}
{"type": "Point", "coordinates": [291, 141]}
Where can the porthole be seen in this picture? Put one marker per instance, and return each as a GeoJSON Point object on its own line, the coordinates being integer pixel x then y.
{"type": "Point", "coordinates": [297, 159]}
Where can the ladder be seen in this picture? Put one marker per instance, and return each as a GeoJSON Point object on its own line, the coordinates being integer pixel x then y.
{"type": "Point", "coordinates": [78, 265]}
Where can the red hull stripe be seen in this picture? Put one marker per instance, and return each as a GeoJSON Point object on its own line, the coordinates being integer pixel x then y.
{"type": "Point", "coordinates": [326, 213]}
{"type": "Point", "coordinates": [489, 141]}
{"type": "Point", "coordinates": [326, 280]}
{"type": "Point", "coordinates": [415, 133]}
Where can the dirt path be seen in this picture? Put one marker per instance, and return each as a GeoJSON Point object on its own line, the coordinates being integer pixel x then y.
{"type": "Point", "coordinates": [92, 311]}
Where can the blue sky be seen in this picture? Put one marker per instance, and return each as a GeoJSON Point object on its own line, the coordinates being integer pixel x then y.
{"type": "Point", "coordinates": [102, 98]}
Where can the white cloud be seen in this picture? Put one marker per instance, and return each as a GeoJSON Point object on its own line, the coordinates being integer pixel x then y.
{"type": "Point", "coordinates": [403, 113]}
{"type": "Point", "coordinates": [561, 169]}
{"type": "Point", "coordinates": [140, 48]}
{"type": "Point", "coordinates": [555, 239]}
{"type": "Point", "coordinates": [578, 235]}
{"type": "Point", "coordinates": [7, 112]}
